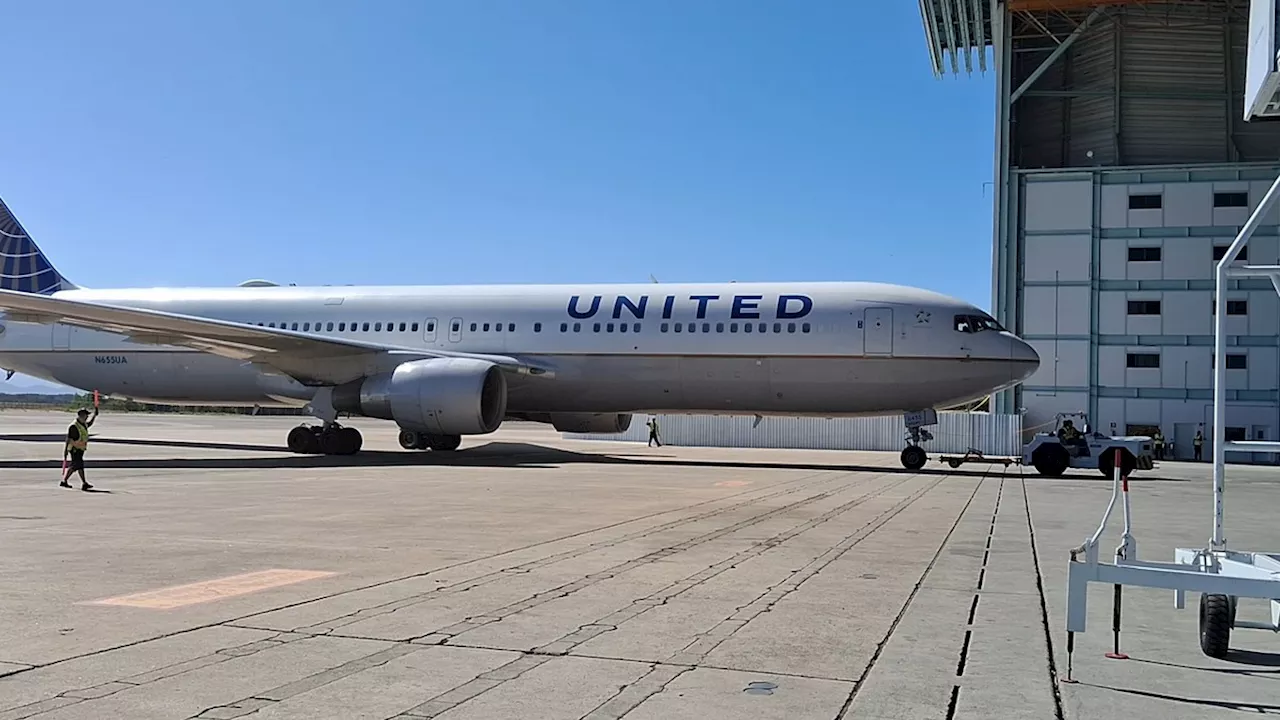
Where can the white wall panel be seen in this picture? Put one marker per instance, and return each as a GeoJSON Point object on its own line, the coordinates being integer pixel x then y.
{"type": "Point", "coordinates": [1264, 312]}
{"type": "Point", "coordinates": [1115, 206]}
{"type": "Point", "coordinates": [1113, 259]}
{"type": "Point", "coordinates": [1112, 313]}
{"type": "Point", "coordinates": [1185, 313]}
{"type": "Point", "coordinates": [1188, 204]}
{"type": "Point", "coordinates": [1262, 368]}
{"type": "Point", "coordinates": [1257, 190]}
{"type": "Point", "coordinates": [955, 432]}
{"type": "Point", "coordinates": [1063, 363]}
{"type": "Point", "coordinates": [1111, 366]}
{"type": "Point", "coordinates": [1188, 258]}
{"type": "Point", "coordinates": [1039, 308]}
{"type": "Point", "coordinates": [1059, 205]}
{"type": "Point", "coordinates": [1058, 258]}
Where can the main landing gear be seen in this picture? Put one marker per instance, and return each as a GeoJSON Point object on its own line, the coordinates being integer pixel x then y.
{"type": "Point", "coordinates": [327, 439]}
{"type": "Point", "coordinates": [414, 440]}
{"type": "Point", "coordinates": [913, 456]}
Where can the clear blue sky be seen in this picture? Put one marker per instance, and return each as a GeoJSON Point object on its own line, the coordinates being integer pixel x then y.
{"type": "Point", "coordinates": [185, 143]}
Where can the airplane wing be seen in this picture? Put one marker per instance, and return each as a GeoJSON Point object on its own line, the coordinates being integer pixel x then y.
{"type": "Point", "coordinates": [311, 359]}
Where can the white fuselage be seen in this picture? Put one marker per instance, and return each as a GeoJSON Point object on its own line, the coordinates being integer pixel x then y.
{"type": "Point", "coordinates": [767, 348]}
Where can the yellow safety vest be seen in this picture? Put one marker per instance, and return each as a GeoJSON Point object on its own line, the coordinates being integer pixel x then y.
{"type": "Point", "coordinates": [81, 444]}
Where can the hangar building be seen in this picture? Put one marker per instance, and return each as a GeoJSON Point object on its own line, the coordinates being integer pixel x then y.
{"type": "Point", "coordinates": [1123, 168]}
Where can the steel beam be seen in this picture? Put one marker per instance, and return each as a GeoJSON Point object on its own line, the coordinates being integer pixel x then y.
{"type": "Point", "coordinates": [1053, 56]}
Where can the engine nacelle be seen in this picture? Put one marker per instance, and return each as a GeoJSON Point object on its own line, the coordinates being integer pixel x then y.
{"type": "Point", "coordinates": [602, 423]}
{"type": "Point", "coordinates": [438, 396]}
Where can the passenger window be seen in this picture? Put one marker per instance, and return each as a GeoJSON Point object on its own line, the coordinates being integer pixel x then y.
{"type": "Point", "coordinates": [306, 327]}
{"type": "Point", "coordinates": [595, 328]}
{"type": "Point", "coordinates": [295, 326]}
{"type": "Point", "coordinates": [678, 327]}
{"type": "Point", "coordinates": [403, 326]}
{"type": "Point", "coordinates": [456, 327]}
{"type": "Point", "coordinates": [663, 327]}
{"type": "Point", "coordinates": [791, 327]}
{"type": "Point", "coordinates": [511, 327]}
{"type": "Point", "coordinates": [622, 327]}
{"type": "Point", "coordinates": [764, 327]}
{"type": "Point", "coordinates": [377, 327]}
{"type": "Point", "coordinates": [733, 327]}
{"type": "Point", "coordinates": [746, 327]}
{"type": "Point", "coordinates": [608, 327]}
{"type": "Point", "coordinates": [271, 324]}
{"type": "Point", "coordinates": [577, 327]}
{"type": "Point", "coordinates": [485, 327]}
{"type": "Point", "coordinates": [342, 327]}
{"type": "Point", "coordinates": [777, 327]}
{"type": "Point", "coordinates": [564, 327]}
{"type": "Point", "coordinates": [537, 327]}
{"type": "Point", "coordinates": [804, 328]}
{"type": "Point", "coordinates": [719, 327]}
{"type": "Point", "coordinates": [635, 327]}
{"type": "Point", "coordinates": [473, 327]}
{"type": "Point", "coordinates": [365, 327]}
{"type": "Point", "coordinates": [413, 327]}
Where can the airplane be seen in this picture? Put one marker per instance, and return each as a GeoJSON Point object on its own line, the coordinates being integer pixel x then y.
{"type": "Point", "coordinates": [444, 362]}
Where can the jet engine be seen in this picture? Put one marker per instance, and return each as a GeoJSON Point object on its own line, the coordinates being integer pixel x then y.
{"type": "Point", "coordinates": [437, 396]}
{"type": "Point", "coordinates": [602, 423]}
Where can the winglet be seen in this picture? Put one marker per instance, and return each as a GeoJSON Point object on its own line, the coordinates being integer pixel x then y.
{"type": "Point", "coordinates": [23, 267]}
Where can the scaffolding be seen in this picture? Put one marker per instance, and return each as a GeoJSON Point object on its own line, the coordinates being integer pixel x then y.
{"type": "Point", "coordinates": [1222, 576]}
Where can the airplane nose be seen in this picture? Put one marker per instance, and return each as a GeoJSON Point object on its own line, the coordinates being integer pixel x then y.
{"type": "Point", "coordinates": [1025, 359]}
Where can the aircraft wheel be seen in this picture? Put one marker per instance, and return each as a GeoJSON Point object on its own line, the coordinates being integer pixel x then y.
{"type": "Point", "coordinates": [913, 457]}
{"type": "Point", "coordinates": [332, 442]}
{"type": "Point", "coordinates": [410, 439]}
{"type": "Point", "coordinates": [444, 443]}
{"type": "Point", "coordinates": [352, 440]}
{"type": "Point", "coordinates": [303, 440]}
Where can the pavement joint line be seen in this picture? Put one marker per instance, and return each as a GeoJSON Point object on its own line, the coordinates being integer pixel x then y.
{"type": "Point", "coordinates": [529, 660]}
{"type": "Point", "coordinates": [821, 474]}
{"type": "Point", "coordinates": [262, 644]}
{"type": "Point", "coordinates": [334, 623]}
{"type": "Point", "coordinates": [1050, 662]}
{"type": "Point", "coordinates": [546, 596]}
{"type": "Point", "coordinates": [915, 590]}
{"type": "Point", "coordinates": [708, 641]}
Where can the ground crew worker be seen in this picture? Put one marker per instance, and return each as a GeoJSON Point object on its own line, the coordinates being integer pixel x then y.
{"type": "Point", "coordinates": [653, 432]}
{"type": "Point", "coordinates": [1158, 441]}
{"type": "Point", "coordinates": [1198, 443]}
{"type": "Point", "coordinates": [77, 443]}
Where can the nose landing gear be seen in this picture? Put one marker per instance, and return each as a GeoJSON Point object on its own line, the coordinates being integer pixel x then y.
{"type": "Point", "coordinates": [913, 456]}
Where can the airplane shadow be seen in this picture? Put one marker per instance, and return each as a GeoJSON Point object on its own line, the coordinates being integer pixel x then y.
{"type": "Point", "coordinates": [492, 454]}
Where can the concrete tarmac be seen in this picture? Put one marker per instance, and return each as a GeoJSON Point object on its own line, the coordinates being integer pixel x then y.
{"type": "Point", "coordinates": [214, 575]}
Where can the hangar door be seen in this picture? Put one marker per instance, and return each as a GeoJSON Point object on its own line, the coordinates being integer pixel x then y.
{"type": "Point", "coordinates": [877, 331]}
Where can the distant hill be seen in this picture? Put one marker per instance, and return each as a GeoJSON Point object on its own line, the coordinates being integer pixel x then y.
{"type": "Point", "coordinates": [24, 384]}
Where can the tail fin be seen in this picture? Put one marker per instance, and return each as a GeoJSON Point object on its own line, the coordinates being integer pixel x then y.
{"type": "Point", "coordinates": [23, 267]}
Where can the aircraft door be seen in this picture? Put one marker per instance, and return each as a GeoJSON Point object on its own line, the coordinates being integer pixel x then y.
{"type": "Point", "coordinates": [455, 329]}
{"type": "Point", "coordinates": [429, 330]}
{"type": "Point", "coordinates": [61, 337]}
{"type": "Point", "coordinates": [877, 331]}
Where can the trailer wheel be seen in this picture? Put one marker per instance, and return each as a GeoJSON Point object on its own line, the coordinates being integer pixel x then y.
{"type": "Point", "coordinates": [1107, 462]}
{"type": "Point", "coordinates": [953, 463]}
{"type": "Point", "coordinates": [1050, 460]}
{"type": "Point", "coordinates": [1216, 619]}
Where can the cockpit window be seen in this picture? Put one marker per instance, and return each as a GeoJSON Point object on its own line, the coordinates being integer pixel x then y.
{"type": "Point", "coordinates": [976, 323]}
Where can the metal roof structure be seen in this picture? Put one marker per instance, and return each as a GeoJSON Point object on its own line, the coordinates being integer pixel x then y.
{"type": "Point", "coordinates": [957, 31]}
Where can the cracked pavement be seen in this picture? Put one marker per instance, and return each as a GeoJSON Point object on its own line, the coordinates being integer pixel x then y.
{"type": "Point", "coordinates": [534, 577]}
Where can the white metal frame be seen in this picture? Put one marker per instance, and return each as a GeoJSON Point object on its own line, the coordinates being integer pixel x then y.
{"type": "Point", "coordinates": [1213, 569]}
